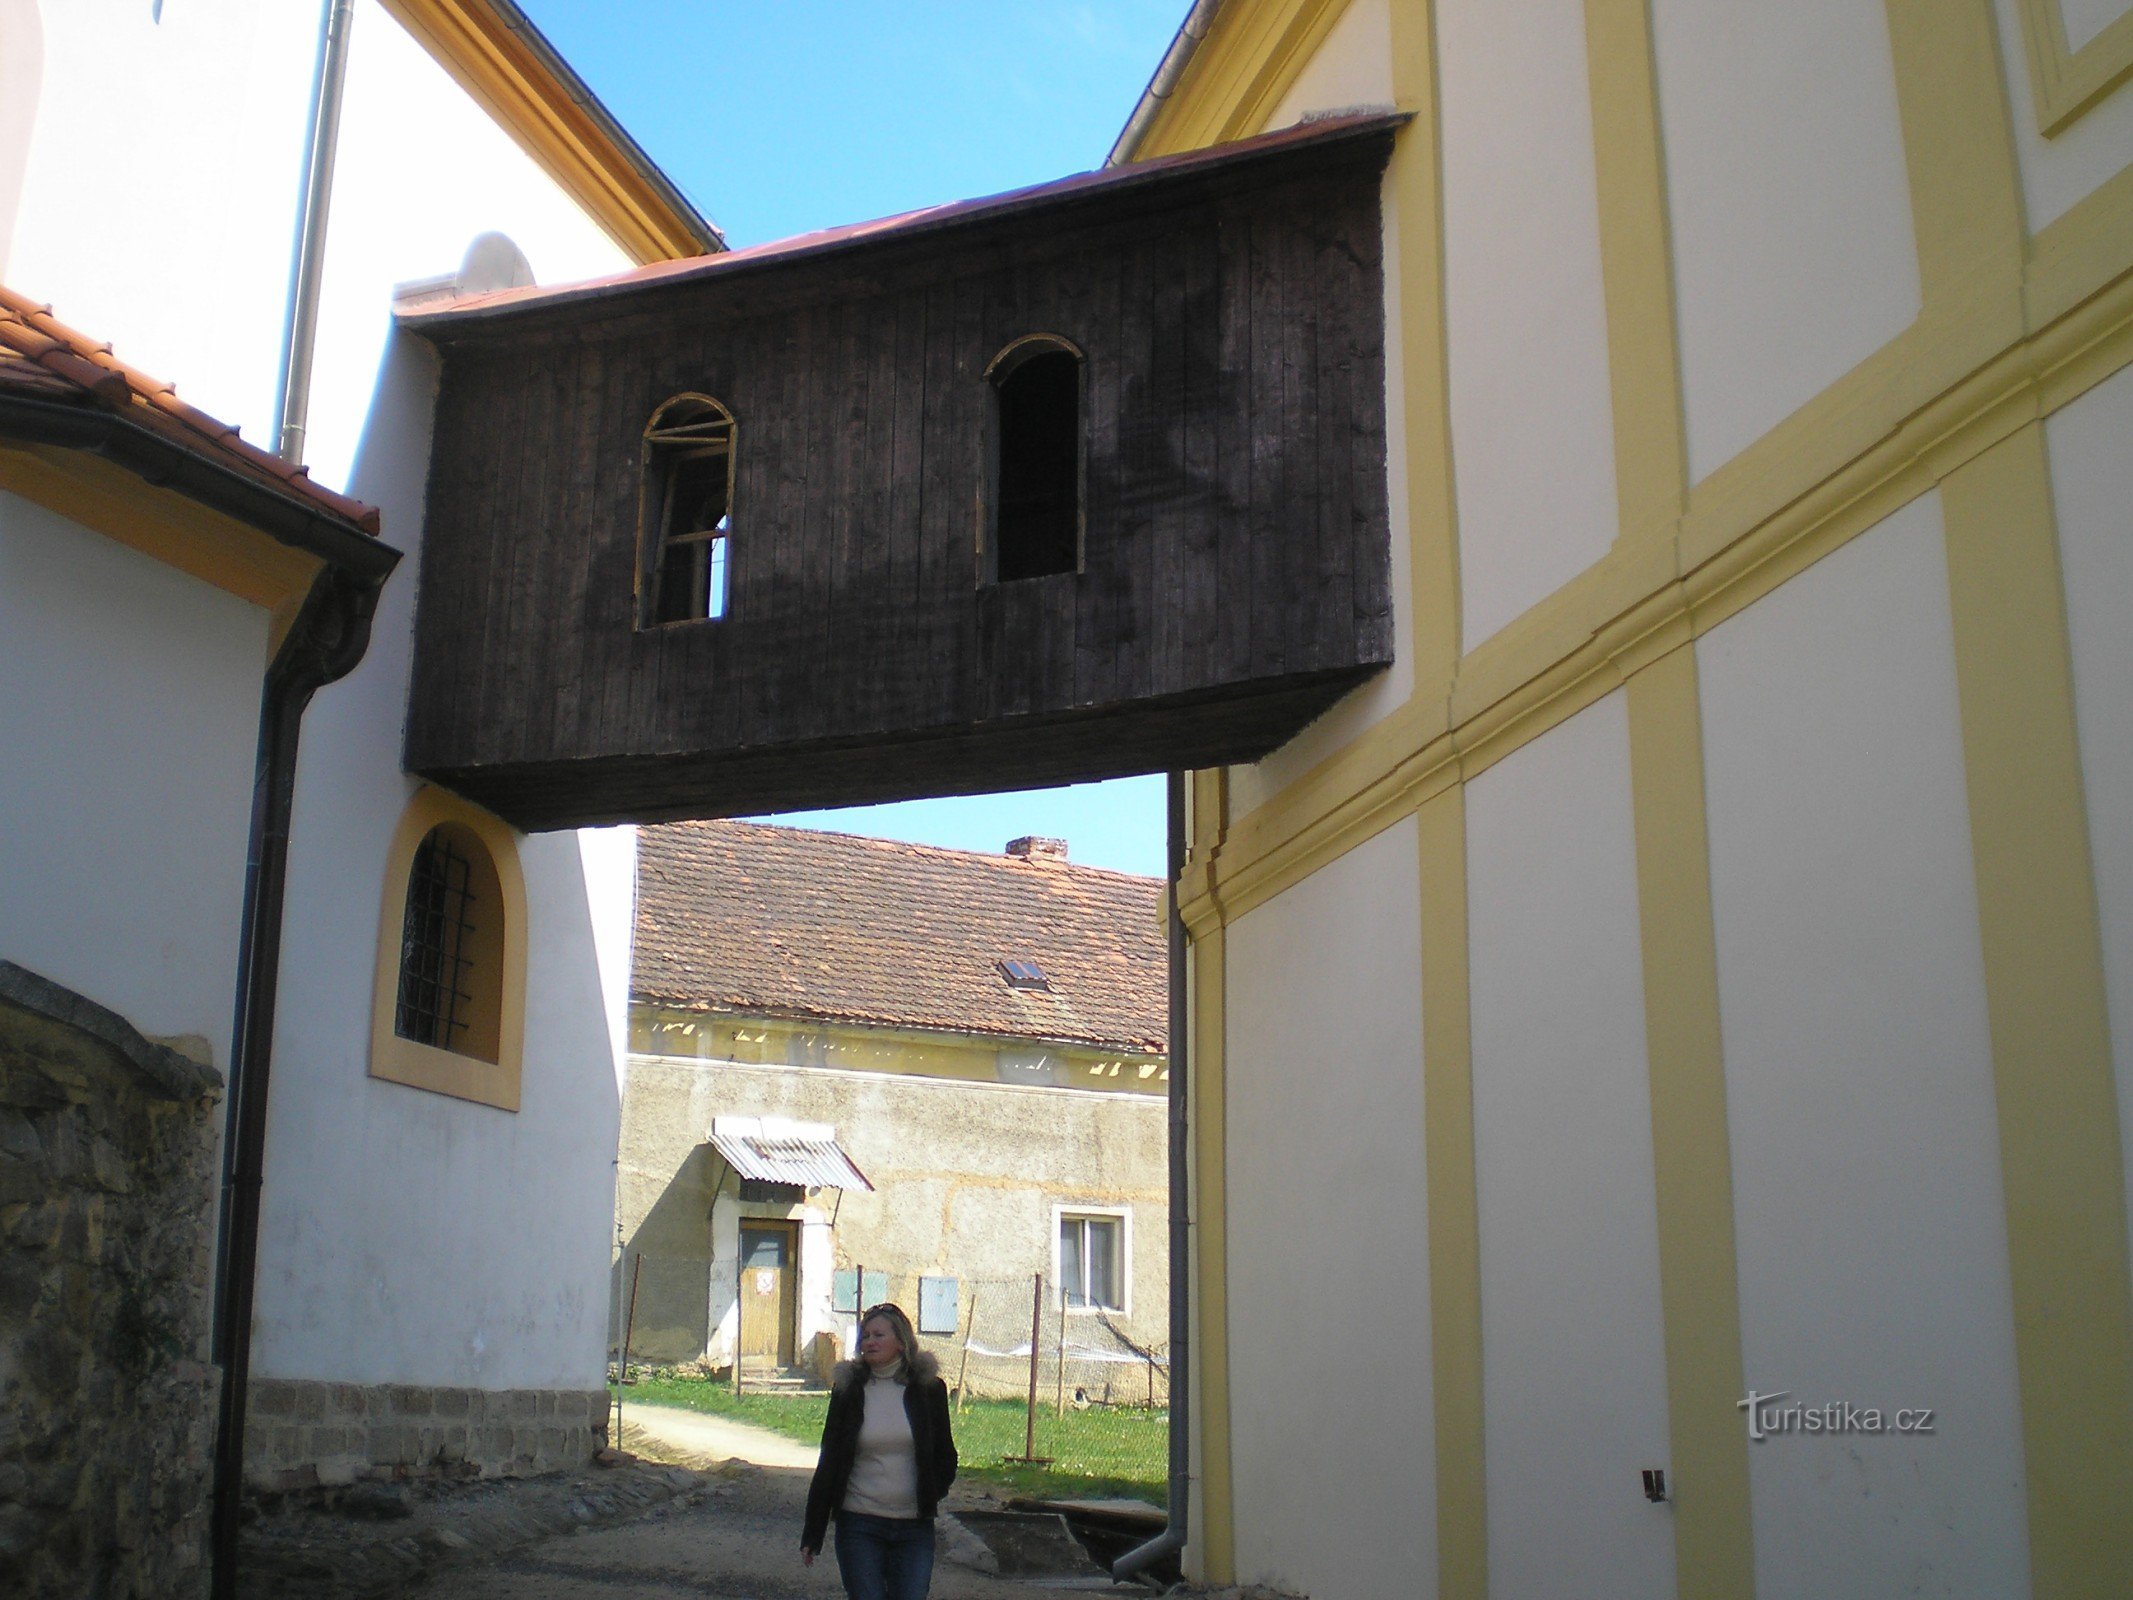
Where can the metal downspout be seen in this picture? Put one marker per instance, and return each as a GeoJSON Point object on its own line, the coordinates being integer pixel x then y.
{"type": "Point", "coordinates": [307, 265]}
{"type": "Point", "coordinates": [1172, 1538]}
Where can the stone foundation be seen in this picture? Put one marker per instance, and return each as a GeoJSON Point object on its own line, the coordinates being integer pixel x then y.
{"type": "Point", "coordinates": [107, 1221]}
{"type": "Point", "coordinates": [300, 1432]}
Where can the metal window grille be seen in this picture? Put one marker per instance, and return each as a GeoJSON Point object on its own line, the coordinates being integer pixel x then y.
{"type": "Point", "coordinates": [436, 946]}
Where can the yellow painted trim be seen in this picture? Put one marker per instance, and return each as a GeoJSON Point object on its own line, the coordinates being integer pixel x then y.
{"type": "Point", "coordinates": [2063, 82]}
{"type": "Point", "coordinates": [221, 551]}
{"type": "Point", "coordinates": [1875, 443]}
{"type": "Point", "coordinates": [1213, 1534]}
{"type": "Point", "coordinates": [1636, 269]}
{"type": "Point", "coordinates": [496, 67]}
{"type": "Point", "coordinates": [421, 1066]}
{"type": "Point", "coordinates": [2061, 1158]}
{"type": "Point", "coordinates": [1415, 183]}
{"type": "Point", "coordinates": [1454, 1202]}
{"type": "Point", "coordinates": [1239, 73]}
{"type": "Point", "coordinates": [1959, 151]}
{"type": "Point", "coordinates": [1699, 1288]}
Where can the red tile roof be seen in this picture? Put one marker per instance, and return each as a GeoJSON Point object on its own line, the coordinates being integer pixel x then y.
{"type": "Point", "coordinates": [738, 917]}
{"type": "Point", "coordinates": [41, 358]}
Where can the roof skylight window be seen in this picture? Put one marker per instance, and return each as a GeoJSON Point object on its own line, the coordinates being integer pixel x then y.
{"type": "Point", "coordinates": [1025, 975]}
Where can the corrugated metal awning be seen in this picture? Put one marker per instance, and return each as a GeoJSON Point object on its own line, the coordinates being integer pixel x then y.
{"type": "Point", "coordinates": [779, 1150]}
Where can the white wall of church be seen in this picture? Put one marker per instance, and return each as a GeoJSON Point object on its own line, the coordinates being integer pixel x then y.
{"type": "Point", "coordinates": [1328, 1232]}
{"type": "Point", "coordinates": [122, 863]}
{"type": "Point", "coordinates": [1789, 205]}
{"type": "Point", "coordinates": [372, 1185]}
{"type": "Point", "coordinates": [396, 1243]}
{"type": "Point", "coordinates": [1532, 422]}
{"type": "Point", "coordinates": [1352, 68]}
{"type": "Point", "coordinates": [1574, 1369]}
{"type": "Point", "coordinates": [2061, 171]}
{"type": "Point", "coordinates": [2092, 485]}
{"type": "Point", "coordinates": [1868, 1207]}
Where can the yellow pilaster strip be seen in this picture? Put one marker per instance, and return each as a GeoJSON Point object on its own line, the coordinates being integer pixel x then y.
{"type": "Point", "coordinates": [1415, 182]}
{"type": "Point", "coordinates": [1454, 1211]}
{"type": "Point", "coordinates": [2061, 1159]}
{"type": "Point", "coordinates": [1636, 269]}
{"type": "Point", "coordinates": [1215, 1535]}
{"type": "Point", "coordinates": [1691, 1158]}
{"type": "Point", "coordinates": [1958, 141]}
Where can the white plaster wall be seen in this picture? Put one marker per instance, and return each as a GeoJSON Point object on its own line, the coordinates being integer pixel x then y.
{"type": "Point", "coordinates": [609, 860]}
{"type": "Point", "coordinates": [1790, 207]}
{"type": "Point", "coordinates": [406, 1236]}
{"type": "Point", "coordinates": [422, 171]}
{"type": "Point", "coordinates": [1573, 1345]}
{"type": "Point", "coordinates": [1351, 68]}
{"type": "Point", "coordinates": [159, 198]}
{"type": "Point", "coordinates": [2060, 171]}
{"type": "Point", "coordinates": [1868, 1209]}
{"type": "Point", "coordinates": [2084, 19]}
{"type": "Point", "coordinates": [2092, 484]}
{"type": "Point", "coordinates": [1532, 419]}
{"type": "Point", "coordinates": [1331, 1455]}
{"type": "Point", "coordinates": [128, 724]}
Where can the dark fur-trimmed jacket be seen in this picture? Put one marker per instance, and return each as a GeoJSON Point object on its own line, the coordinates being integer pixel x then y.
{"type": "Point", "coordinates": [932, 1441]}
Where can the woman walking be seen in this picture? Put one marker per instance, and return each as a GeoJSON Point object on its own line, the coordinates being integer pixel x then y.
{"type": "Point", "coordinates": [888, 1456]}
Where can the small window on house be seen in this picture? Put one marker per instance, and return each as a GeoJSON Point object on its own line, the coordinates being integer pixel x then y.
{"type": "Point", "coordinates": [1037, 459]}
{"type": "Point", "coordinates": [687, 512]}
{"type": "Point", "coordinates": [1024, 975]}
{"type": "Point", "coordinates": [1092, 1261]}
{"type": "Point", "coordinates": [451, 947]}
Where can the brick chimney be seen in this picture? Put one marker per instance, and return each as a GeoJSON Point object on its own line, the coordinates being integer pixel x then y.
{"type": "Point", "coordinates": [1031, 848]}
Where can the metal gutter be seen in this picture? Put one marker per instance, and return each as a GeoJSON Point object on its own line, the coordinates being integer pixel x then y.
{"type": "Point", "coordinates": [1183, 46]}
{"type": "Point", "coordinates": [1172, 1539]}
{"type": "Point", "coordinates": [167, 464]}
{"type": "Point", "coordinates": [708, 233]}
{"type": "Point", "coordinates": [307, 263]}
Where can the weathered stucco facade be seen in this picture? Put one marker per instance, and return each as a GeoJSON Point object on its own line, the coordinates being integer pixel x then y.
{"type": "Point", "coordinates": [997, 1156]}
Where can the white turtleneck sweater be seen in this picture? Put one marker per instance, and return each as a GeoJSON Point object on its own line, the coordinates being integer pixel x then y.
{"type": "Point", "coordinates": [884, 1481]}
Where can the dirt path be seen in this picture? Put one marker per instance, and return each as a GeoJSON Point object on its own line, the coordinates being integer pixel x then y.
{"type": "Point", "coordinates": [741, 1541]}
{"type": "Point", "coordinates": [690, 1438]}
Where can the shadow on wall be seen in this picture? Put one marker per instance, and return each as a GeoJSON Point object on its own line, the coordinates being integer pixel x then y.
{"type": "Point", "coordinates": [673, 1285]}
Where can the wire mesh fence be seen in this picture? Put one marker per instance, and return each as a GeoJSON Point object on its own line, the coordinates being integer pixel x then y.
{"type": "Point", "coordinates": [1053, 1390]}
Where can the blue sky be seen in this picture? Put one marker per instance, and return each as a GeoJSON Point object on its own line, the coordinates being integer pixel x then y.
{"type": "Point", "coordinates": [783, 116]}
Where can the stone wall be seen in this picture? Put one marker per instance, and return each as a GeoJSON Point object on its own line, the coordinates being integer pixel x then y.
{"type": "Point", "coordinates": [300, 1433]}
{"type": "Point", "coordinates": [107, 1222]}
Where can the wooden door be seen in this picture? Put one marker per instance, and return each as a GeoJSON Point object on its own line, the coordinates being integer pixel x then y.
{"type": "Point", "coordinates": [769, 1298]}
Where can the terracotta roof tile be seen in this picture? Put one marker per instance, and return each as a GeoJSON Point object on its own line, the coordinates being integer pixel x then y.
{"type": "Point", "coordinates": [41, 357]}
{"type": "Point", "coordinates": [784, 922]}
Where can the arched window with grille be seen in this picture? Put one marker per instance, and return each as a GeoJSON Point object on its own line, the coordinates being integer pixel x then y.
{"type": "Point", "coordinates": [1036, 464]}
{"type": "Point", "coordinates": [686, 513]}
{"type": "Point", "coordinates": [449, 1012]}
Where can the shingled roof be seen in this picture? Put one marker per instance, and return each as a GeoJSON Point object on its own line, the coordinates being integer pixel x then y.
{"type": "Point", "coordinates": [737, 917]}
{"type": "Point", "coordinates": [44, 360]}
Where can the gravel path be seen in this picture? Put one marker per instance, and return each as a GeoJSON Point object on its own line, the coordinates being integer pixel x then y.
{"type": "Point", "coordinates": [740, 1542]}
{"type": "Point", "coordinates": [690, 1438]}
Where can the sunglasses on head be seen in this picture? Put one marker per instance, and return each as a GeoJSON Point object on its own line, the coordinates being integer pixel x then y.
{"type": "Point", "coordinates": [888, 1308]}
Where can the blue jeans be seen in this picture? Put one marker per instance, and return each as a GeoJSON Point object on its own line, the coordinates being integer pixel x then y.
{"type": "Point", "coordinates": [884, 1558]}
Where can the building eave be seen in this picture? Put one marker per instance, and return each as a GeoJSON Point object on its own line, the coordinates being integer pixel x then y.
{"type": "Point", "coordinates": [500, 58]}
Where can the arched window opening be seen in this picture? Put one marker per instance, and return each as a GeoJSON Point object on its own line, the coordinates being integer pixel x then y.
{"type": "Point", "coordinates": [1037, 459]}
{"type": "Point", "coordinates": [452, 947]}
{"type": "Point", "coordinates": [687, 512]}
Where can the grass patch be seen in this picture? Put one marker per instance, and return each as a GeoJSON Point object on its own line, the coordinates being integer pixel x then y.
{"type": "Point", "coordinates": [1098, 1453]}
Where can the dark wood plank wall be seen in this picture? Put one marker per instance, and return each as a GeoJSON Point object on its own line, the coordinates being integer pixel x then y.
{"type": "Point", "coordinates": [1235, 547]}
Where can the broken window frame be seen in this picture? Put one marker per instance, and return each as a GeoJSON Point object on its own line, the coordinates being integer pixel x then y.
{"type": "Point", "coordinates": [688, 428]}
{"type": "Point", "coordinates": [998, 372]}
